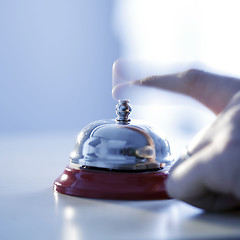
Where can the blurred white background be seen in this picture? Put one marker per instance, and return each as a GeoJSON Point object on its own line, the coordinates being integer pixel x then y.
{"type": "Point", "coordinates": [172, 31]}
{"type": "Point", "coordinates": [56, 56]}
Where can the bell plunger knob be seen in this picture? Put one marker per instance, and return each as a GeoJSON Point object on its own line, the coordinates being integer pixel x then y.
{"type": "Point", "coordinates": [123, 109]}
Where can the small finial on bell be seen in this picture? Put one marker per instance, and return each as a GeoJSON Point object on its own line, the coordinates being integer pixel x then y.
{"type": "Point", "coordinates": [123, 109]}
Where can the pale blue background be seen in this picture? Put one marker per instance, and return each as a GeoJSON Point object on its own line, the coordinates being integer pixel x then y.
{"type": "Point", "coordinates": [55, 64]}
{"type": "Point", "coordinates": [56, 56]}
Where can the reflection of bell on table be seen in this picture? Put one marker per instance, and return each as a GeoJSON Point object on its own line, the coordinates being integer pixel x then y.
{"type": "Point", "coordinates": [117, 159]}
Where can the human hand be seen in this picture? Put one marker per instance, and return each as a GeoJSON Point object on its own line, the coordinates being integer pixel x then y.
{"type": "Point", "coordinates": [209, 178]}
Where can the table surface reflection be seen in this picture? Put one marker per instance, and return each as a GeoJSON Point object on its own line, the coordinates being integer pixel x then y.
{"type": "Point", "coordinates": [30, 209]}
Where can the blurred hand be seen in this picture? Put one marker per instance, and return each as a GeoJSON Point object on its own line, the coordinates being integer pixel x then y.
{"type": "Point", "coordinates": [210, 177]}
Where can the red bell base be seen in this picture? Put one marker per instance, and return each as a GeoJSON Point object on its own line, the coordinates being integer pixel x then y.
{"type": "Point", "coordinates": [112, 185]}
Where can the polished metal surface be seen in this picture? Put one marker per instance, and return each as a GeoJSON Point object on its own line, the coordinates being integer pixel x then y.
{"type": "Point", "coordinates": [123, 109]}
{"type": "Point", "coordinates": [121, 145]}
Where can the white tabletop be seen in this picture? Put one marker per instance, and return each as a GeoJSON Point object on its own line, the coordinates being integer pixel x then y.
{"type": "Point", "coordinates": [30, 209]}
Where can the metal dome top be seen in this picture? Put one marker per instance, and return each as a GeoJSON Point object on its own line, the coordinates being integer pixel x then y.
{"type": "Point", "coordinates": [121, 145]}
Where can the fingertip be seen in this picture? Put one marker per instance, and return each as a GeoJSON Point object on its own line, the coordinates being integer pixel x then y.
{"type": "Point", "coordinates": [186, 181]}
{"type": "Point", "coordinates": [116, 90]}
{"type": "Point", "coordinates": [121, 91]}
{"type": "Point", "coordinates": [114, 95]}
{"type": "Point", "coordinates": [174, 182]}
{"type": "Point", "coordinates": [173, 186]}
{"type": "Point", "coordinates": [170, 186]}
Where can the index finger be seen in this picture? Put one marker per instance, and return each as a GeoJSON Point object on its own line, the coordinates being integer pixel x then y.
{"type": "Point", "coordinates": [212, 90]}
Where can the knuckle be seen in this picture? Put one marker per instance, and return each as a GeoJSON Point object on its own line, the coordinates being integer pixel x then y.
{"type": "Point", "coordinates": [231, 144]}
{"type": "Point", "coordinates": [192, 78]}
{"type": "Point", "coordinates": [192, 74]}
{"type": "Point", "coordinates": [236, 98]}
{"type": "Point", "coordinates": [234, 114]}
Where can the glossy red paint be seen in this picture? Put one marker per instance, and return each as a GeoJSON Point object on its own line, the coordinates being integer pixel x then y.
{"type": "Point", "coordinates": [112, 185]}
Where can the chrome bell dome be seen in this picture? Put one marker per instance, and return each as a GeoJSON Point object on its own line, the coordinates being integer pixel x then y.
{"type": "Point", "coordinates": [121, 145]}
